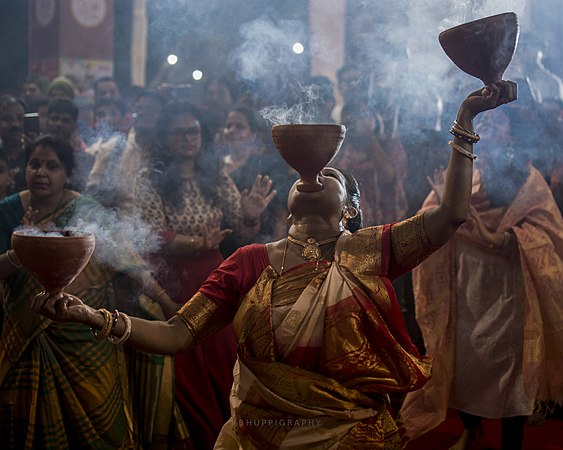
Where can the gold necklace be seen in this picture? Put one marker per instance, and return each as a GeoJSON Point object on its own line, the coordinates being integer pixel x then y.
{"type": "Point", "coordinates": [317, 260]}
{"type": "Point", "coordinates": [311, 248]}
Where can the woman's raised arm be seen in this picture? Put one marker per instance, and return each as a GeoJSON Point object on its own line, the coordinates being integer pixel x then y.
{"type": "Point", "coordinates": [442, 221]}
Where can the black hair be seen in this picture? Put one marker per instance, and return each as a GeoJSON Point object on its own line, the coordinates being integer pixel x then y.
{"type": "Point", "coordinates": [151, 93]}
{"type": "Point", "coordinates": [63, 105]}
{"type": "Point", "coordinates": [225, 80]}
{"type": "Point", "coordinates": [165, 173]}
{"type": "Point", "coordinates": [346, 68]}
{"type": "Point", "coordinates": [38, 102]}
{"type": "Point", "coordinates": [7, 100]}
{"type": "Point", "coordinates": [256, 123]}
{"type": "Point", "coordinates": [41, 83]}
{"type": "Point", "coordinates": [353, 200]}
{"type": "Point", "coordinates": [64, 151]}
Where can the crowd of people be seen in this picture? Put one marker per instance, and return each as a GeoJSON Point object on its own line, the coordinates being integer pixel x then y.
{"type": "Point", "coordinates": [218, 330]}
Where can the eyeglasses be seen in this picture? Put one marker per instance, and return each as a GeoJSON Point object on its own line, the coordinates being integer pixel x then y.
{"type": "Point", "coordinates": [178, 133]}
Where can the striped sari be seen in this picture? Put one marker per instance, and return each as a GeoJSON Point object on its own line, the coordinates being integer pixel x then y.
{"type": "Point", "coordinates": [59, 387]}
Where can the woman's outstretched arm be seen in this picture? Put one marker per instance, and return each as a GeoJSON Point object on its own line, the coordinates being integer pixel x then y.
{"type": "Point", "coordinates": [151, 336]}
{"type": "Point", "coordinates": [442, 221]}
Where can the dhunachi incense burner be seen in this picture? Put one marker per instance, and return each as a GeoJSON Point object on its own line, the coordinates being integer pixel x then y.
{"type": "Point", "coordinates": [308, 148]}
{"type": "Point", "coordinates": [484, 48]}
{"type": "Point", "coordinates": [54, 257]}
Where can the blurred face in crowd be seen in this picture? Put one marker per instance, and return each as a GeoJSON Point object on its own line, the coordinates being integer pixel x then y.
{"type": "Point", "coordinates": [11, 124]}
{"type": "Point", "coordinates": [61, 124]}
{"type": "Point", "coordinates": [30, 91]}
{"type": "Point", "coordinates": [184, 137]}
{"type": "Point", "coordinates": [45, 173]}
{"type": "Point", "coordinates": [106, 89]}
{"type": "Point", "coordinates": [146, 112]}
{"type": "Point", "coordinates": [218, 95]}
{"type": "Point", "coordinates": [108, 118]}
{"type": "Point", "coordinates": [237, 128]}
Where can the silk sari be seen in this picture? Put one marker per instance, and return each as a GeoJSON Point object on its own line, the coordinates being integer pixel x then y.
{"type": "Point", "coordinates": [319, 348]}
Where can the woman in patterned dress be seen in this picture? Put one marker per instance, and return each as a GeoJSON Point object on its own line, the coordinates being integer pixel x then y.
{"type": "Point", "coordinates": [187, 198]}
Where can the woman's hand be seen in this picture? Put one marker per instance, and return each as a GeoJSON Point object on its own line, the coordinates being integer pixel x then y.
{"type": "Point", "coordinates": [253, 203]}
{"type": "Point", "coordinates": [62, 307]}
{"type": "Point", "coordinates": [485, 99]}
{"type": "Point", "coordinates": [490, 238]}
{"type": "Point", "coordinates": [213, 235]}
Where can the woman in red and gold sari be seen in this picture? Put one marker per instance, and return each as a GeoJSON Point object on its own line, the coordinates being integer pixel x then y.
{"type": "Point", "coordinates": [321, 339]}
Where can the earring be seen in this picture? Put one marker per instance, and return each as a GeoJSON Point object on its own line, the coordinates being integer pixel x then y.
{"type": "Point", "coordinates": [345, 217]}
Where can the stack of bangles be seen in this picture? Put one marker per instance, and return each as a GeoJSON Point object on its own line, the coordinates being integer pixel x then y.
{"type": "Point", "coordinates": [465, 135]}
{"type": "Point", "coordinates": [111, 319]}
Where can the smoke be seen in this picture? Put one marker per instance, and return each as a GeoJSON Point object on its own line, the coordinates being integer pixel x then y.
{"type": "Point", "coordinates": [306, 111]}
{"type": "Point", "coordinates": [265, 60]}
{"type": "Point", "coordinates": [119, 238]}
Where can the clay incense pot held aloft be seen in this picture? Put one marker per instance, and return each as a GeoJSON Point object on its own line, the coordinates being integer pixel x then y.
{"type": "Point", "coordinates": [484, 48]}
{"type": "Point", "coordinates": [54, 257]}
{"type": "Point", "coordinates": [308, 148]}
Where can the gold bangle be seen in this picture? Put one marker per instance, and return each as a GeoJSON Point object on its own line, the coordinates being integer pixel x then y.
{"type": "Point", "coordinates": [12, 262]}
{"type": "Point", "coordinates": [106, 329]}
{"type": "Point", "coordinates": [114, 321]}
{"type": "Point", "coordinates": [126, 333]}
{"type": "Point", "coordinates": [463, 151]}
{"type": "Point", "coordinates": [468, 136]}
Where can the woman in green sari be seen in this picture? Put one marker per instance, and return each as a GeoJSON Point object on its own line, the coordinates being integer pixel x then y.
{"type": "Point", "coordinates": [59, 387]}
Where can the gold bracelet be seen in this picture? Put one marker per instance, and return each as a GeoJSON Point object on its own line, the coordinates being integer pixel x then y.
{"type": "Point", "coordinates": [106, 329]}
{"type": "Point", "coordinates": [468, 136]}
{"type": "Point", "coordinates": [12, 262]}
{"type": "Point", "coordinates": [462, 150]}
{"type": "Point", "coordinates": [115, 315]}
{"type": "Point", "coordinates": [126, 333]}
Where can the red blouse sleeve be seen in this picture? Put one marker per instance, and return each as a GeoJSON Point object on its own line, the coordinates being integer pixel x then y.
{"type": "Point", "coordinates": [217, 301]}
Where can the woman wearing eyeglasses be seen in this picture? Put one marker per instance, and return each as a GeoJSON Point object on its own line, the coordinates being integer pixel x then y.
{"type": "Point", "coordinates": [193, 205]}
